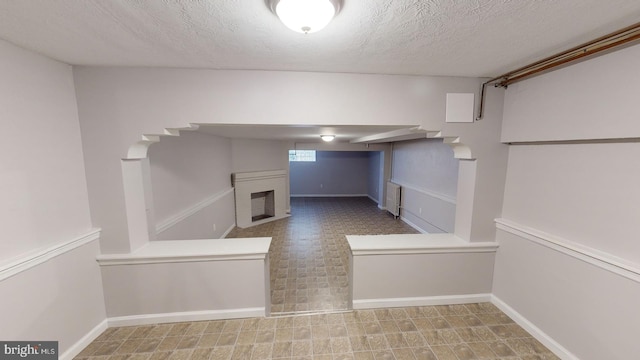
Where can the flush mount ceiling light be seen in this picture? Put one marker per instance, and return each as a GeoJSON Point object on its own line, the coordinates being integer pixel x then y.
{"type": "Point", "coordinates": [327, 138]}
{"type": "Point", "coordinates": [305, 16]}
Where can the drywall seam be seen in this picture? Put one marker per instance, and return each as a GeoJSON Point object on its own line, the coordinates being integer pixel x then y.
{"type": "Point", "coordinates": [587, 254]}
{"type": "Point", "coordinates": [29, 261]}
{"type": "Point", "coordinates": [184, 214]}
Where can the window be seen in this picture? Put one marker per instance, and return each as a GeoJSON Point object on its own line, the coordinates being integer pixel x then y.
{"type": "Point", "coordinates": [302, 155]}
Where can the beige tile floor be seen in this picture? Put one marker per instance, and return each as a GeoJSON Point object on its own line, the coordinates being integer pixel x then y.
{"type": "Point", "coordinates": [450, 332]}
{"type": "Point", "coordinates": [309, 251]}
{"type": "Point", "coordinates": [308, 274]}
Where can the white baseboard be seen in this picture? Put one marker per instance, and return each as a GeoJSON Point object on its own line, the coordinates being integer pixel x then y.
{"type": "Point", "coordinates": [540, 335]}
{"type": "Point", "coordinates": [420, 301]}
{"type": "Point", "coordinates": [76, 348]}
{"type": "Point", "coordinates": [372, 198]}
{"type": "Point", "coordinates": [382, 207]}
{"type": "Point", "coordinates": [421, 230]}
{"type": "Point", "coordinates": [228, 231]}
{"type": "Point", "coordinates": [148, 319]}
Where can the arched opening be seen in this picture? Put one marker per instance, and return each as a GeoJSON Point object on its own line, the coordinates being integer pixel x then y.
{"type": "Point", "coordinates": [162, 203]}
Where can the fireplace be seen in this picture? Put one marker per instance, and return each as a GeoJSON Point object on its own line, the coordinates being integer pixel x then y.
{"type": "Point", "coordinates": [262, 205]}
{"type": "Point", "coordinates": [260, 196]}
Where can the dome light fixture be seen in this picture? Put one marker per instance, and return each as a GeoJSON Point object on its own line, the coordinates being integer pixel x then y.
{"type": "Point", "coordinates": [327, 138]}
{"type": "Point", "coordinates": [305, 16]}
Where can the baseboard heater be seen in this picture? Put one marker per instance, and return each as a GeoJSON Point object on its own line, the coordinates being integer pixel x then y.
{"type": "Point", "coordinates": [393, 198]}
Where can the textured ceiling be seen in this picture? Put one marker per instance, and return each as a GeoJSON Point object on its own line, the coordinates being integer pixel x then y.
{"type": "Point", "coordinates": [430, 37]}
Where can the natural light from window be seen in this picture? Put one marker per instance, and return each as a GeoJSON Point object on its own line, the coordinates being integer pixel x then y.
{"type": "Point", "coordinates": [302, 155]}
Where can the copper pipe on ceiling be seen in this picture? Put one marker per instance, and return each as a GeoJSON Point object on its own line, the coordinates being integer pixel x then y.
{"type": "Point", "coordinates": [624, 36]}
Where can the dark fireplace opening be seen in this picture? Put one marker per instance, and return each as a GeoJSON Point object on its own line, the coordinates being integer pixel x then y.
{"type": "Point", "coordinates": [262, 205]}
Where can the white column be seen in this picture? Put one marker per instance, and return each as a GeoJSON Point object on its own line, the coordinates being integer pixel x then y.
{"type": "Point", "coordinates": [136, 178]}
{"type": "Point", "coordinates": [465, 197]}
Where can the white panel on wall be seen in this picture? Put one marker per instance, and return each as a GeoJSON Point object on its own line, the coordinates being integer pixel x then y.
{"type": "Point", "coordinates": [54, 293]}
{"type": "Point", "coordinates": [459, 108]}
{"type": "Point", "coordinates": [42, 170]}
{"type": "Point", "coordinates": [586, 193]}
{"type": "Point", "coordinates": [594, 99]}
{"type": "Point", "coordinates": [179, 287]}
{"type": "Point", "coordinates": [572, 301]}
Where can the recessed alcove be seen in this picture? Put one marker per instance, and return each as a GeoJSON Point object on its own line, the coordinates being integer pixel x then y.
{"type": "Point", "coordinates": [262, 205]}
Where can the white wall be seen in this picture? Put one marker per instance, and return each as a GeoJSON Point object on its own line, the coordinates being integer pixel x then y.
{"type": "Point", "coordinates": [576, 303]}
{"type": "Point", "coordinates": [118, 105]}
{"type": "Point", "coordinates": [339, 173]}
{"type": "Point", "coordinates": [42, 165]}
{"type": "Point", "coordinates": [376, 277]}
{"type": "Point", "coordinates": [587, 193]}
{"type": "Point", "coordinates": [435, 269]}
{"type": "Point", "coordinates": [258, 155]}
{"type": "Point", "coordinates": [170, 290]}
{"type": "Point", "coordinates": [185, 171]}
{"type": "Point", "coordinates": [44, 206]}
{"type": "Point", "coordinates": [588, 100]}
{"type": "Point", "coordinates": [428, 173]}
{"type": "Point", "coordinates": [568, 258]}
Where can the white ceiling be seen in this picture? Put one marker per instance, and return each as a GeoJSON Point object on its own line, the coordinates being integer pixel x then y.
{"type": "Point", "coordinates": [301, 133]}
{"type": "Point", "coordinates": [476, 38]}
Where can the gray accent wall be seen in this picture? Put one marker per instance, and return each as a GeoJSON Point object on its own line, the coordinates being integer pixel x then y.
{"type": "Point", "coordinates": [334, 173]}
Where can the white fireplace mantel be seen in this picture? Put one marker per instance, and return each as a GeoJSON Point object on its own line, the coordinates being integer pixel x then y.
{"type": "Point", "coordinates": [247, 183]}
